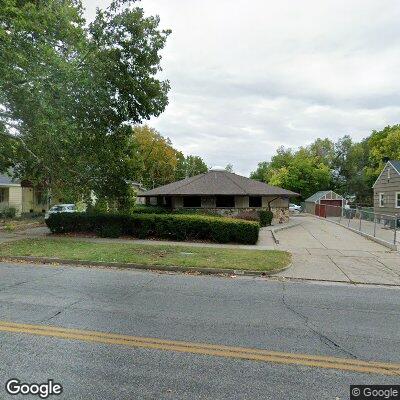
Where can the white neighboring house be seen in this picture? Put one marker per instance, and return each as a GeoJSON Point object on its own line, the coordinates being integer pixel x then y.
{"type": "Point", "coordinates": [21, 196]}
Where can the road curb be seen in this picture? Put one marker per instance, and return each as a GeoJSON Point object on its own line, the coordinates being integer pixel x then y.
{"type": "Point", "coordinates": [166, 268]}
{"type": "Point", "coordinates": [281, 228]}
{"type": "Point", "coordinates": [354, 283]}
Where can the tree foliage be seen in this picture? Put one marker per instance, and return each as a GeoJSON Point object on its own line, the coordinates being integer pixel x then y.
{"type": "Point", "coordinates": [348, 167]}
{"type": "Point", "coordinates": [154, 158]}
{"type": "Point", "coordinates": [189, 166]}
{"type": "Point", "coordinates": [69, 91]}
{"type": "Point", "coordinates": [302, 174]}
{"type": "Point", "coordinates": [229, 168]}
{"type": "Point", "coordinates": [156, 162]}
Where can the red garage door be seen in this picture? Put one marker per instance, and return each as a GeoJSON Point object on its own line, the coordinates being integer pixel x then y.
{"type": "Point", "coordinates": [330, 208]}
{"type": "Point", "coordinates": [320, 210]}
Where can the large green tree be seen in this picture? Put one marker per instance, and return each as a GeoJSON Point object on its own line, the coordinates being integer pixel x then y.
{"type": "Point", "coordinates": [352, 166]}
{"type": "Point", "coordinates": [261, 173]}
{"type": "Point", "coordinates": [188, 166]}
{"type": "Point", "coordinates": [383, 145]}
{"type": "Point", "coordinates": [155, 162]}
{"type": "Point", "coordinates": [70, 91]}
{"type": "Point", "coordinates": [304, 174]}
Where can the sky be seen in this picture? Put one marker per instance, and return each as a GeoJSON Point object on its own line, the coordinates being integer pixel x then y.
{"type": "Point", "coordinates": [249, 76]}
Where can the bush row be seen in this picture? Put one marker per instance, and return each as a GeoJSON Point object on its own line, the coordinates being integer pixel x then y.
{"type": "Point", "coordinates": [163, 226]}
{"type": "Point", "coordinates": [264, 217]}
{"type": "Point", "coordinates": [144, 209]}
{"type": "Point", "coordinates": [147, 209]}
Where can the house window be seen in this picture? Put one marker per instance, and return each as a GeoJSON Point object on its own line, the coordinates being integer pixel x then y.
{"type": "Point", "coordinates": [2, 195]}
{"type": "Point", "coordinates": [192, 202]}
{"type": "Point", "coordinates": [255, 201]}
{"type": "Point", "coordinates": [167, 201]}
{"type": "Point", "coordinates": [381, 199]}
{"type": "Point", "coordinates": [225, 201]}
{"type": "Point", "coordinates": [397, 199]}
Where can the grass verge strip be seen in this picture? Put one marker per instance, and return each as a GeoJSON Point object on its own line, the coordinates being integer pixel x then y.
{"type": "Point", "coordinates": [154, 255]}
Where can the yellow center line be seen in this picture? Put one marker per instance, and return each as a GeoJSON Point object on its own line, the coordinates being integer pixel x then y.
{"type": "Point", "coordinates": [244, 353]}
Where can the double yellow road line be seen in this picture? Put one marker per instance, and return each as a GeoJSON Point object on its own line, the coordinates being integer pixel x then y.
{"type": "Point", "coordinates": [243, 353]}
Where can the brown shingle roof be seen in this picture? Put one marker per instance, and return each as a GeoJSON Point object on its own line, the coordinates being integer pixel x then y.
{"type": "Point", "coordinates": [218, 183]}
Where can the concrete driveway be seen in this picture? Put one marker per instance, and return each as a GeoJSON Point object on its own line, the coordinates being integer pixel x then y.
{"type": "Point", "coordinates": [325, 251]}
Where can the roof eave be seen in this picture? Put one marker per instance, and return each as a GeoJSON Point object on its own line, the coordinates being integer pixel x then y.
{"type": "Point", "coordinates": [293, 194]}
{"type": "Point", "coordinates": [383, 169]}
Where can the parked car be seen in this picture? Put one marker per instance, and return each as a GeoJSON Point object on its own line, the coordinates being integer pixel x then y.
{"type": "Point", "coordinates": [61, 208]}
{"type": "Point", "coordinates": [294, 208]}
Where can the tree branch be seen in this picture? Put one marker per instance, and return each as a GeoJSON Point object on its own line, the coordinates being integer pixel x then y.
{"type": "Point", "coordinates": [25, 146]}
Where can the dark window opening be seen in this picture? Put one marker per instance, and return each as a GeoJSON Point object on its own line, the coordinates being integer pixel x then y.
{"type": "Point", "coordinates": [255, 201]}
{"type": "Point", "coordinates": [168, 202]}
{"type": "Point", "coordinates": [192, 201]}
{"type": "Point", "coordinates": [225, 202]}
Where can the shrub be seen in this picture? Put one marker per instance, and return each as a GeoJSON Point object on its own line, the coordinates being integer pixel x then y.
{"type": "Point", "coordinates": [8, 212]}
{"type": "Point", "coordinates": [196, 211]}
{"type": "Point", "coordinates": [265, 217]}
{"type": "Point", "coordinates": [109, 230]}
{"type": "Point", "coordinates": [142, 209]}
{"type": "Point", "coordinates": [9, 227]}
{"type": "Point", "coordinates": [164, 226]}
{"type": "Point", "coordinates": [195, 227]}
{"type": "Point", "coordinates": [32, 215]}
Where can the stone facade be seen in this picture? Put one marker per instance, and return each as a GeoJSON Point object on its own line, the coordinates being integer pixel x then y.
{"type": "Point", "coordinates": [281, 215]}
{"type": "Point", "coordinates": [279, 206]}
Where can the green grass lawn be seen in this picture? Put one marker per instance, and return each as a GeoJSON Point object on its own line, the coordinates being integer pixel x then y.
{"type": "Point", "coordinates": [167, 255]}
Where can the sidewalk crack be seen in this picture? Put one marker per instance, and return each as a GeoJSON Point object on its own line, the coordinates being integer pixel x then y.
{"type": "Point", "coordinates": [341, 270]}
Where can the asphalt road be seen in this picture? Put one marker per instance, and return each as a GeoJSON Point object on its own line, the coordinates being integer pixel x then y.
{"type": "Point", "coordinates": [315, 319]}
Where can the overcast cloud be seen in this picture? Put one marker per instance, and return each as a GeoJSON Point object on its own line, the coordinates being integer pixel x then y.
{"type": "Point", "coordinates": [249, 76]}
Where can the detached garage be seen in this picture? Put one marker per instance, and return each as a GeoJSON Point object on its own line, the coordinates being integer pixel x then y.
{"type": "Point", "coordinates": [325, 204]}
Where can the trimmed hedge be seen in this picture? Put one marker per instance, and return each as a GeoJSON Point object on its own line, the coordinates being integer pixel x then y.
{"type": "Point", "coordinates": [163, 226]}
{"type": "Point", "coordinates": [143, 209]}
{"type": "Point", "coordinates": [265, 217]}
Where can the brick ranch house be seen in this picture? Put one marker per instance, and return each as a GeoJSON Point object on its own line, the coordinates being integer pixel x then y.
{"type": "Point", "coordinates": [223, 192]}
